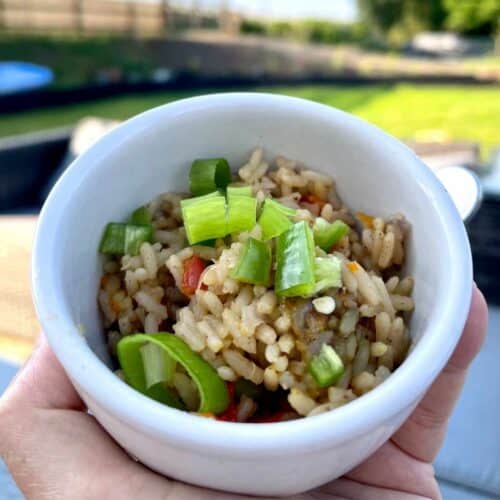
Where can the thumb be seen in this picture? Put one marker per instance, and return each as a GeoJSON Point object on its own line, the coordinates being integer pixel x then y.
{"type": "Point", "coordinates": [42, 383]}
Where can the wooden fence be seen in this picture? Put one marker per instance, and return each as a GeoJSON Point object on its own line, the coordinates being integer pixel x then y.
{"type": "Point", "coordinates": [84, 16]}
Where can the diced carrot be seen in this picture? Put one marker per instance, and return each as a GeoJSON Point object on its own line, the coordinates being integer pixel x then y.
{"type": "Point", "coordinates": [353, 267]}
{"type": "Point", "coordinates": [104, 280]}
{"type": "Point", "coordinates": [366, 220]}
{"type": "Point", "coordinates": [207, 414]}
{"type": "Point", "coordinates": [193, 268]}
{"type": "Point", "coordinates": [116, 306]}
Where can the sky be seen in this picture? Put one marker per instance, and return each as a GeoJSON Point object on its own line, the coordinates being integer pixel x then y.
{"type": "Point", "coordinates": [339, 10]}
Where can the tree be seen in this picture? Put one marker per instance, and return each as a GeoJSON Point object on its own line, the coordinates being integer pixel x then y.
{"type": "Point", "coordinates": [406, 17]}
{"type": "Point", "coordinates": [479, 17]}
{"type": "Point", "coordinates": [380, 15]}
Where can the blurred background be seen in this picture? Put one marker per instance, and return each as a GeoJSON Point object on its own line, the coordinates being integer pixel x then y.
{"type": "Point", "coordinates": [426, 71]}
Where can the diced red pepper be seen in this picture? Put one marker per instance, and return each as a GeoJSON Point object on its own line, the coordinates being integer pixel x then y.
{"type": "Point", "coordinates": [193, 268]}
{"type": "Point", "coordinates": [312, 199]}
{"type": "Point", "coordinates": [231, 413]}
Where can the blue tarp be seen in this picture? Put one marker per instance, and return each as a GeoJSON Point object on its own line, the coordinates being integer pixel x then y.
{"type": "Point", "coordinates": [19, 76]}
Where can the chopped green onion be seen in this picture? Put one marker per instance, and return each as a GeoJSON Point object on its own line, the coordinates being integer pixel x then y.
{"type": "Point", "coordinates": [135, 236]}
{"type": "Point", "coordinates": [113, 239]}
{"type": "Point", "coordinates": [207, 243]}
{"type": "Point", "coordinates": [326, 235]}
{"type": "Point", "coordinates": [326, 367]}
{"type": "Point", "coordinates": [327, 273]}
{"type": "Point", "coordinates": [208, 175]}
{"type": "Point", "coordinates": [141, 216]}
{"type": "Point", "coordinates": [204, 217]}
{"type": "Point", "coordinates": [295, 262]}
{"type": "Point", "coordinates": [274, 219]}
{"type": "Point", "coordinates": [241, 212]}
{"type": "Point", "coordinates": [241, 190]}
{"type": "Point", "coordinates": [283, 208]}
{"type": "Point", "coordinates": [120, 239]}
{"type": "Point", "coordinates": [214, 395]}
{"type": "Point", "coordinates": [254, 265]}
{"type": "Point", "coordinates": [158, 365]}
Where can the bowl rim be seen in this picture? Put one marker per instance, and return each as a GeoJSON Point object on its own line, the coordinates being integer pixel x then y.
{"type": "Point", "coordinates": [94, 379]}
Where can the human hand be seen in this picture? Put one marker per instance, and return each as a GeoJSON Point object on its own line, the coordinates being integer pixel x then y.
{"type": "Point", "coordinates": [55, 450]}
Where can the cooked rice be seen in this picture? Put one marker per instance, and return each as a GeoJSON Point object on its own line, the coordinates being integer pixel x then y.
{"type": "Point", "coordinates": [248, 332]}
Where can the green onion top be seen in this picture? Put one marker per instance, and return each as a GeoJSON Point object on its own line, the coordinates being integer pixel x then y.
{"type": "Point", "coordinates": [327, 273]}
{"type": "Point", "coordinates": [254, 265]}
{"type": "Point", "coordinates": [241, 190]}
{"type": "Point", "coordinates": [274, 219]}
{"type": "Point", "coordinates": [214, 395]}
{"type": "Point", "coordinates": [295, 261]}
{"type": "Point", "coordinates": [208, 175]}
{"type": "Point", "coordinates": [241, 210]}
{"type": "Point", "coordinates": [326, 235]}
{"type": "Point", "coordinates": [204, 217]}
{"type": "Point", "coordinates": [326, 367]}
{"type": "Point", "coordinates": [140, 216]}
{"type": "Point", "coordinates": [121, 239]}
{"type": "Point", "coordinates": [158, 365]}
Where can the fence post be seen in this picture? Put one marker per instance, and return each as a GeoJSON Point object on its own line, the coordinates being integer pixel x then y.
{"type": "Point", "coordinates": [165, 12]}
{"type": "Point", "coordinates": [78, 16]}
{"type": "Point", "coordinates": [132, 18]}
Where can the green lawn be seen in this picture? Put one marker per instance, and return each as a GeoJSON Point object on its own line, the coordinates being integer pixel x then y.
{"type": "Point", "coordinates": [407, 111]}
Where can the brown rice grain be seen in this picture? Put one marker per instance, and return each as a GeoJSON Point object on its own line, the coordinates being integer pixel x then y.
{"type": "Point", "coordinates": [402, 303]}
{"type": "Point", "coordinates": [345, 379]}
{"type": "Point", "coordinates": [286, 343]}
{"type": "Point", "coordinates": [131, 282]}
{"type": "Point", "coordinates": [266, 334]}
{"type": "Point", "coordinates": [267, 303]}
{"type": "Point", "coordinates": [387, 251]}
{"type": "Point", "coordinates": [226, 373]}
{"type": "Point", "coordinates": [243, 366]}
{"type": "Point", "coordinates": [387, 359]}
{"type": "Point", "coordinates": [149, 259]}
{"type": "Point", "coordinates": [150, 324]}
{"type": "Point", "coordinates": [211, 302]}
{"type": "Point", "coordinates": [281, 364]}
{"type": "Point", "coordinates": [272, 352]}
{"type": "Point", "coordinates": [283, 323]}
{"type": "Point", "coordinates": [382, 326]}
{"type": "Point", "coordinates": [348, 322]}
{"type": "Point", "coordinates": [384, 295]}
{"type": "Point", "coordinates": [392, 284]}
{"type": "Point", "coordinates": [378, 349]}
{"type": "Point", "coordinates": [300, 402]}
{"type": "Point", "coordinates": [246, 408]}
{"type": "Point", "coordinates": [366, 287]}
{"type": "Point", "coordinates": [271, 379]}
{"type": "Point", "coordinates": [176, 268]}
{"type": "Point", "coordinates": [351, 344]}
{"type": "Point", "coordinates": [405, 286]}
{"type": "Point", "coordinates": [362, 383]}
{"type": "Point", "coordinates": [362, 357]}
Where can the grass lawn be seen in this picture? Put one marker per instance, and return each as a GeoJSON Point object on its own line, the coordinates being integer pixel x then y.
{"type": "Point", "coordinates": [424, 112]}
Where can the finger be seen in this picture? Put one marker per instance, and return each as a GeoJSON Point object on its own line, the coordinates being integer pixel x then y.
{"type": "Point", "coordinates": [391, 468]}
{"type": "Point", "coordinates": [344, 489]}
{"type": "Point", "coordinates": [423, 433]}
{"type": "Point", "coordinates": [42, 383]}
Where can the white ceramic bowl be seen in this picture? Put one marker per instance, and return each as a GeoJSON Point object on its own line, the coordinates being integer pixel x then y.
{"type": "Point", "coordinates": [151, 154]}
